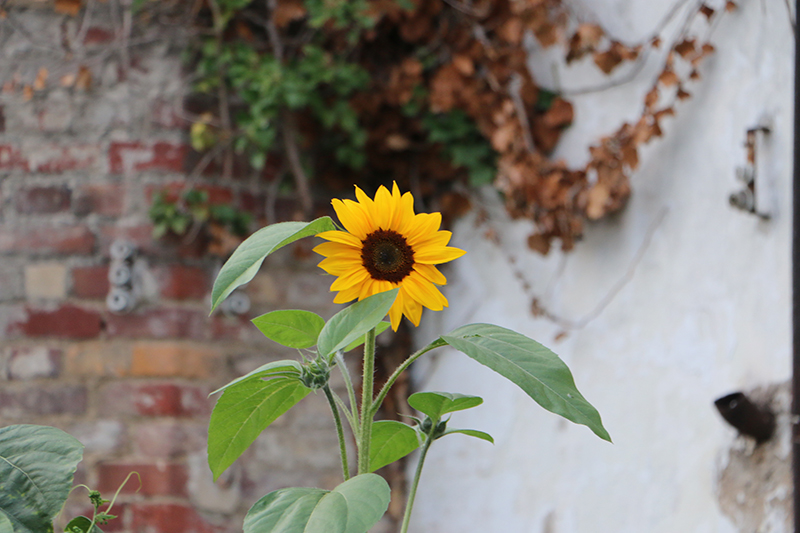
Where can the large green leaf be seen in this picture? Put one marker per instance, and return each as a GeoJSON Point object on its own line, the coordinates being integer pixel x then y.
{"type": "Point", "coordinates": [352, 322]}
{"type": "Point", "coordinates": [391, 440]}
{"type": "Point", "coordinates": [534, 368]}
{"type": "Point", "coordinates": [37, 464]}
{"type": "Point", "coordinates": [245, 261]}
{"type": "Point", "coordinates": [245, 410]}
{"type": "Point", "coordinates": [5, 524]}
{"type": "Point", "coordinates": [353, 507]}
{"type": "Point", "coordinates": [286, 367]}
{"type": "Point", "coordinates": [380, 328]}
{"type": "Point", "coordinates": [472, 433]}
{"type": "Point", "coordinates": [436, 404]}
{"type": "Point", "coordinates": [294, 328]}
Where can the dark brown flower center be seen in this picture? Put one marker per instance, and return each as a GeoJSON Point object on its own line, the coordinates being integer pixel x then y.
{"type": "Point", "coordinates": [387, 256]}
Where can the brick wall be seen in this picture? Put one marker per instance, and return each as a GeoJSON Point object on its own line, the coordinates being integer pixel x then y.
{"type": "Point", "coordinates": [78, 166]}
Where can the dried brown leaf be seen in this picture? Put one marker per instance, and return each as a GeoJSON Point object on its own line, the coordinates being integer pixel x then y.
{"type": "Point", "coordinates": [27, 93]}
{"type": "Point", "coordinates": [655, 42]}
{"type": "Point", "coordinates": [707, 11]}
{"type": "Point", "coordinates": [511, 31]}
{"type": "Point", "coordinates": [682, 94]}
{"type": "Point", "coordinates": [84, 79]}
{"type": "Point", "coordinates": [67, 80]}
{"type": "Point", "coordinates": [41, 79]}
{"type": "Point", "coordinates": [560, 114]}
{"type": "Point", "coordinates": [287, 12]}
{"type": "Point", "coordinates": [730, 6]}
{"type": "Point", "coordinates": [694, 75]}
{"type": "Point", "coordinates": [685, 48]}
{"type": "Point", "coordinates": [464, 65]}
{"type": "Point", "coordinates": [651, 98]}
{"type": "Point", "coordinates": [67, 7]}
{"type": "Point", "coordinates": [539, 243]}
{"type": "Point", "coordinates": [668, 78]}
{"type": "Point", "coordinates": [607, 61]}
{"type": "Point", "coordinates": [597, 200]}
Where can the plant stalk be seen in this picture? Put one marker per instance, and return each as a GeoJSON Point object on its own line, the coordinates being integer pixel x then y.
{"type": "Point", "coordinates": [413, 492]}
{"type": "Point", "coordinates": [365, 429]}
{"type": "Point", "coordinates": [351, 393]}
{"type": "Point", "coordinates": [339, 431]}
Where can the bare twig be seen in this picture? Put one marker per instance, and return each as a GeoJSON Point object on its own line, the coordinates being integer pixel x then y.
{"type": "Point", "coordinates": [514, 90]}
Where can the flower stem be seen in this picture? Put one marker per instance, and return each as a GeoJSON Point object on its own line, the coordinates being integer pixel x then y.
{"type": "Point", "coordinates": [365, 429]}
{"type": "Point", "coordinates": [413, 492]}
{"type": "Point", "coordinates": [352, 414]}
{"type": "Point", "coordinates": [339, 431]}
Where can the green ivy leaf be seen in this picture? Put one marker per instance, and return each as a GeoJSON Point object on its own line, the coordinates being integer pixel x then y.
{"type": "Point", "coordinates": [380, 328]}
{"type": "Point", "coordinates": [354, 321]}
{"type": "Point", "coordinates": [81, 524]}
{"type": "Point", "coordinates": [37, 464]}
{"type": "Point", "coordinates": [534, 368]}
{"type": "Point", "coordinates": [391, 440]}
{"type": "Point", "coordinates": [353, 507]}
{"type": "Point", "coordinates": [470, 432]}
{"type": "Point", "coordinates": [436, 404]}
{"type": "Point", "coordinates": [245, 261]}
{"type": "Point", "coordinates": [292, 328]}
{"type": "Point", "coordinates": [5, 524]}
{"type": "Point", "coordinates": [245, 410]}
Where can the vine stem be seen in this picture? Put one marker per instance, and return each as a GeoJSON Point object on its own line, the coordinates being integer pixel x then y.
{"type": "Point", "coordinates": [413, 492]}
{"type": "Point", "coordinates": [339, 431]}
{"type": "Point", "coordinates": [367, 381]}
{"type": "Point", "coordinates": [351, 393]}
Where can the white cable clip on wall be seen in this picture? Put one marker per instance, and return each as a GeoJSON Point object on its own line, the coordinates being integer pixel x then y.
{"type": "Point", "coordinates": [122, 294]}
{"type": "Point", "coordinates": [756, 196]}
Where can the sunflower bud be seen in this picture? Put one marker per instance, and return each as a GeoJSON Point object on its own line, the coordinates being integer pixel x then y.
{"type": "Point", "coordinates": [316, 374]}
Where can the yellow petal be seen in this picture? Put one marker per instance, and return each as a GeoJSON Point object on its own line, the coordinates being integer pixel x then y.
{"type": "Point", "coordinates": [347, 295]}
{"type": "Point", "coordinates": [424, 292]}
{"type": "Point", "coordinates": [413, 311]}
{"type": "Point", "coordinates": [341, 237]}
{"type": "Point", "coordinates": [350, 279]}
{"type": "Point", "coordinates": [396, 312]}
{"type": "Point", "coordinates": [423, 226]}
{"type": "Point", "coordinates": [329, 249]}
{"type": "Point", "coordinates": [338, 266]}
{"type": "Point", "coordinates": [384, 208]}
{"type": "Point", "coordinates": [367, 204]}
{"type": "Point", "coordinates": [428, 272]}
{"type": "Point", "coordinates": [434, 256]}
{"type": "Point", "coordinates": [440, 238]}
{"type": "Point", "coordinates": [404, 214]}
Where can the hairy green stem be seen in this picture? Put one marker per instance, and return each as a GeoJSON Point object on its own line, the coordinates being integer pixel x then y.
{"type": "Point", "coordinates": [399, 370]}
{"type": "Point", "coordinates": [413, 491]}
{"type": "Point", "coordinates": [365, 429]}
{"type": "Point", "coordinates": [351, 393]}
{"type": "Point", "coordinates": [339, 431]}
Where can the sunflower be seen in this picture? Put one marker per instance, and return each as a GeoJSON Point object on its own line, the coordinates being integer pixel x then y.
{"type": "Point", "coordinates": [386, 246]}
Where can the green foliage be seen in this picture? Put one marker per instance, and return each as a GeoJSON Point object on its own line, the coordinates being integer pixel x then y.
{"type": "Point", "coordinates": [292, 328]}
{"type": "Point", "coordinates": [353, 507]}
{"type": "Point", "coordinates": [380, 328]}
{"type": "Point", "coordinates": [532, 367]}
{"type": "Point", "coordinates": [37, 464]}
{"type": "Point", "coordinates": [463, 143]}
{"type": "Point", "coordinates": [192, 207]}
{"type": "Point", "coordinates": [243, 264]}
{"type": "Point", "coordinates": [243, 411]}
{"type": "Point", "coordinates": [436, 404]}
{"type": "Point", "coordinates": [82, 524]}
{"type": "Point", "coordinates": [391, 440]}
{"type": "Point", "coordinates": [354, 321]}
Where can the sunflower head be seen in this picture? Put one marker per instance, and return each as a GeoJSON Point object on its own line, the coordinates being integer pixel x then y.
{"type": "Point", "coordinates": [386, 245]}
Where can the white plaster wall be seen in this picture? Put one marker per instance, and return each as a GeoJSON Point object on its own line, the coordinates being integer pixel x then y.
{"type": "Point", "coordinates": [705, 312]}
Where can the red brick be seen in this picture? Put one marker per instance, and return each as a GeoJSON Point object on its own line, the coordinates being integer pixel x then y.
{"type": "Point", "coordinates": [254, 204]}
{"type": "Point", "coordinates": [181, 282]}
{"type": "Point", "coordinates": [168, 518]}
{"type": "Point", "coordinates": [173, 190]}
{"type": "Point", "coordinates": [90, 282]}
{"type": "Point", "coordinates": [162, 323]}
{"type": "Point", "coordinates": [106, 199]}
{"type": "Point", "coordinates": [168, 439]}
{"type": "Point", "coordinates": [67, 321]}
{"type": "Point", "coordinates": [49, 400]}
{"type": "Point", "coordinates": [11, 158]}
{"type": "Point", "coordinates": [54, 159]}
{"type": "Point", "coordinates": [63, 240]}
{"type": "Point", "coordinates": [43, 200]}
{"type": "Point", "coordinates": [126, 157]}
{"type": "Point", "coordinates": [31, 362]}
{"type": "Point", "coordinates": [160, 479]}
{"type": "Point", "coordinates": [160, 399]}
{"type": "Point", "coordinates": [234, 328]}
{"type": "Point", "coordinates": [141, 236]}
{"type": "Point", "coordinates": [98, 35]}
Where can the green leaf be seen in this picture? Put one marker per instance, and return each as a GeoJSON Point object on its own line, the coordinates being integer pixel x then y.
{"type": "Point", "coordinates": [391, 440]}
{"type": "Point", "coordinates": [471, 432]}
{"type": "Point", "coordinates": [81, 524]}
{"type": "Point", "coordinates": [353, 507]}
{"type": "Point", "coordinates": [5, 524]}
{"type": "Point", "coordinates": [292, 328]}
{"type": "Point", "coordinates": [354, 321]}
{"type": "Point", "coordinates": [286, 367]}
{"type": "Point", "coordinates": [245, 410]}
{"type": "Point", "coordinates": [245, 261]}
{"type": "Point", "coordinates": [380, 328]}
{"type": "Point", "coordinates": [534, 368]}
{"type": "Point", "coordinates": [436, 404]}
{"type": "Point", "coordinates": [37, 464]}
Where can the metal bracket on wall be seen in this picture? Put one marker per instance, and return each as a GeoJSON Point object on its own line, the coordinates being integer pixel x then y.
{"type": "Point", "coordinates": [123, 294]}
{"type": "Point", "coordinates": [755, 196]}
